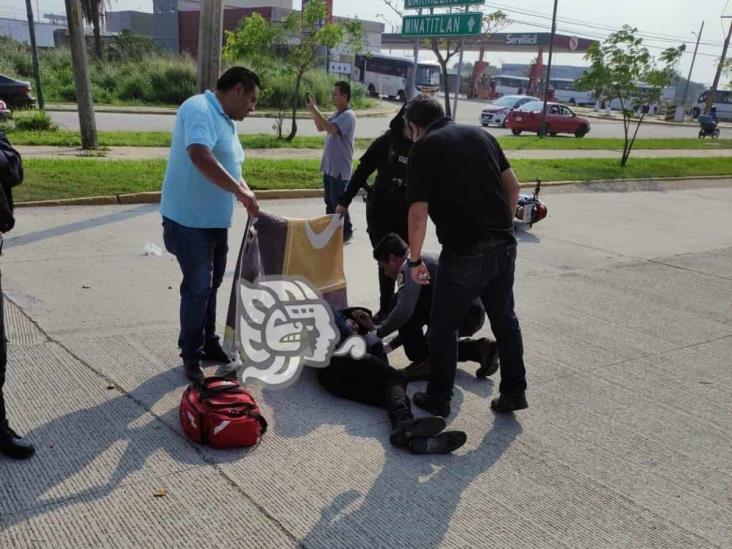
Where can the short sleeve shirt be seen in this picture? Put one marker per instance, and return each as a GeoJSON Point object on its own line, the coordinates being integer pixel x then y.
{"type": "Point", "coordinates": [337, 158]}
{"type": "Point", "coordinates": [189, 198]}
{"type": "Point", "coordinates": [457, 170]}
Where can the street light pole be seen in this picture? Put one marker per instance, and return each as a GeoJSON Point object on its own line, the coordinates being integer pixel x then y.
{"type": "Point", "coordinates": [680, 118]}
{"type": "Point", "coordinates": [548, 69]}
{"type": "Point", "coordinates": [713, 92]}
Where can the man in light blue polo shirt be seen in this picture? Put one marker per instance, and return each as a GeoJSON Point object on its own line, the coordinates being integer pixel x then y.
{"type": "Point", "coordinates": [202, 181]}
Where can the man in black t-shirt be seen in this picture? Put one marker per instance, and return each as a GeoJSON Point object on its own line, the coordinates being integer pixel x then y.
{"type": "Point", "coordinates": [459, 176]}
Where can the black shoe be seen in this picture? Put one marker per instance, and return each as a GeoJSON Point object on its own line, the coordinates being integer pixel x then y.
{"type": "Point", "coordinates": [444, 443]}
{"type": "Point", "coordinates": [415, 428]}
{"type": "Point", "coordinates": [193, 370]}
{"type": "Point", "coordinates": [488, 359]}
{"type": "Point", "coordinates": [417, 371]}
{"type": "Point", "coordinates": [509, 403]}
{"type": "Point", "coordinates": [13, 445]}
{"type": "Point", "coordinates": [430, 404]}
{"type": "Point", "coordinates": [213, 352]}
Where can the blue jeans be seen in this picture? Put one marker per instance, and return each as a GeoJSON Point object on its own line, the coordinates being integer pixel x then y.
{"type": "Point", "coordinates": [485, 271]}
{"type": "Point", "coordinates": [201, 254]}
{"type": "Point", "coordinates": [333, 188]}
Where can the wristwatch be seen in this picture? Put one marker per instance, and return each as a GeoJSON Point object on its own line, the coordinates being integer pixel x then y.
{"type": "Point", "coordinates": [415, 263]}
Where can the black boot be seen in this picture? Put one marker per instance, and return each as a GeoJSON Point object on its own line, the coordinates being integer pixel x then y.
{"type": "Point", "coordinates": [13, 445]}
{"type": "Point", "coordinates": [432, 405]}
{"type": "Point", "coordinates": [213, 352]}
{"type": "Point", "coordinates": [404, 425]}
{"type": "Point", "coordinates": [444, 443]}
{"type": "Point", "coordinates": [418, 371]}
{"type": "Point", "coordinates": [193, 370]}
{"type": "Point", "coordinates": [483, 351]}
{"type": "Point", "coordinates": [505, 404]}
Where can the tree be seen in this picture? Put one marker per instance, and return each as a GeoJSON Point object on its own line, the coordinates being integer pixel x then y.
{"type": "Point", "coordinates": [306, 35]}
{"type": "Point", "coordinates": [446, 48]}
{"type": "Point", "coordinates": [93, 11]}
{"type": "Point", "coordinates": [618, 68]}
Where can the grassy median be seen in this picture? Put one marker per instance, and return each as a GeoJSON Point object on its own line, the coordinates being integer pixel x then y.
{"type": "Point", "coordinates": [83, 177]}
{"type": "Point", "coordinates": [264, 141]}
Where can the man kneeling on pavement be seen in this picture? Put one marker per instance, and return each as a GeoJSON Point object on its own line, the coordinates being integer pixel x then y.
{"type": "Point", "coordinates": [370, 380]}
{"type": "Point", "coordinates": [411, 314]}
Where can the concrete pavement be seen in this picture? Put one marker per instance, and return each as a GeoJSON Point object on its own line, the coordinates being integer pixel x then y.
{"type": "Point", "coordinates": [624, 294]}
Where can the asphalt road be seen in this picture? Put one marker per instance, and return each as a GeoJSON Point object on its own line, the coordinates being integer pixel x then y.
{"type": "Point", "coordinates": [468, 113]}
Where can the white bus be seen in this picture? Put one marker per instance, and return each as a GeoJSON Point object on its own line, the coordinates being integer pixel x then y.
{"type": "Point", "coordinates": [390, 76]}
{"type": "Point", "coordinates": [510, 85]}
{"type": "Point", "coordinates": [564, 92]}
{"type": "Point", "coordinates": [722, 102]}
{"type": "Point", "coordinates": [667, 95]}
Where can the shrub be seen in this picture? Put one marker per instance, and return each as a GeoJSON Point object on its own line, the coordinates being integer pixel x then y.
{"type": "Point", "coordinates": [33, 121]}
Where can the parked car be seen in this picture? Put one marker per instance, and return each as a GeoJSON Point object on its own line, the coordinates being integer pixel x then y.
{"type": "Point", "coordinates": [15, 93]}
{"type": "Point", "coordinates": [496, 111]}
{"type": "Point", "coordinates": [559, 119]}
{"type": "Point", "coordinates": [4, 111]}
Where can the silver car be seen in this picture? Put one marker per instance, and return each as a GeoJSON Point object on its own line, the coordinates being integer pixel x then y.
{"type": "Point", "coordinates": [495, 112]}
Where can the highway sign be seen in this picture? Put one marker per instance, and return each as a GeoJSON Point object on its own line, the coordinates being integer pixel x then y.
{"type": "Point", "coordinates": [448, 24]}
{"type": "Point", "coordinates": [416, 4]}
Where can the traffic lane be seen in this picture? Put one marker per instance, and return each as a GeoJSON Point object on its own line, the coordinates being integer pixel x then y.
{"type": "Point", "coordinates": [365, 127]}
{"type": "Point", "coordinates": [613, 129]}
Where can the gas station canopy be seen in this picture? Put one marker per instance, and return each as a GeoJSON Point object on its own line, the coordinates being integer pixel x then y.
{"type": "Point", "coordinates": [510, 42]}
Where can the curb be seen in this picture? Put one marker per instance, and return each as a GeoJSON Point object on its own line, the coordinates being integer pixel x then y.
{"type": "Point", "coordinates": [371, 113]}
{"type": "Point", "coordinates": [645, 121]}
{"type": "Point", "coordinates": [153, 197]}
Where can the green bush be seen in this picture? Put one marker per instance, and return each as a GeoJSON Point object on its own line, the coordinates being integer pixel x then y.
{"type": "Point", "coordinates": [33, 121]}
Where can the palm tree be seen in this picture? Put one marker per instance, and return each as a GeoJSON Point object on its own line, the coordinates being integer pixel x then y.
{"type": "Point", "coordinates": [93, 11]}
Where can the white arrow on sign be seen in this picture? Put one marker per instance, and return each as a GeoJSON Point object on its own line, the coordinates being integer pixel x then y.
{"type": "Point", "coordinates": [471, 24]}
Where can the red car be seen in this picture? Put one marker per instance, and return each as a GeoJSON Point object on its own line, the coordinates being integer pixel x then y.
{"type": "Point", "coordinates": [559, 119]}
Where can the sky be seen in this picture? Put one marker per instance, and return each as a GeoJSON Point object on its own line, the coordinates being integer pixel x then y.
{"type": "Point", "coordinates": [664, 23]}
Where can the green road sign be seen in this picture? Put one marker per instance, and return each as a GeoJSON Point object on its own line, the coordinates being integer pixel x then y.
{"type": "Point", "coordinates": [448, 24]}
{"type": "Point", "coordinates": [416, 4]}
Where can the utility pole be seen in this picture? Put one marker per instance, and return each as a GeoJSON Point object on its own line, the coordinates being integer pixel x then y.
{"type": "Point", "coordinates": [681, 109]}
{"type": "Point", "coordinates": [84, 99]}
{"type": "Point", "coordinates": [713, 92]}
{"type": "Point", "coordinates": [34, 53]}
{"type": "Point", "coordinates": [459, 76]}
{"type": "Point", "coordinates": [548, 69]}
{"type": "Point", "coordinates": [209, 44]}
{"type": "Point", "coordinates": [413, 78]}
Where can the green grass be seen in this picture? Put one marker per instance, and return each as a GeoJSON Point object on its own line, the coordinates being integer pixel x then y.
{"type": "Point", "coordinates": [81, 177]}
{"type": "Point", "coordinates": [590, 143]}
{"type": "Point", "coordinates": [160, 139]}
{"type": "Point", "coordinates": [265, 141]}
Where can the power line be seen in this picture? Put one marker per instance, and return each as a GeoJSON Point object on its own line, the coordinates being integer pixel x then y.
{"type": "Point", "coordinates": [645, 34]}
{"type": "Point", "coordinates": [584, 34]}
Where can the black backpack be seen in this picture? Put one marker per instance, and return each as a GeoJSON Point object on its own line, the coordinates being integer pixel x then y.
{"type": "Point", "coordinates": [11, 174]}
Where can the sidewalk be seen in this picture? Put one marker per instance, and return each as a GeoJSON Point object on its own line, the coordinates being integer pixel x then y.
{"type": "Point", "coordinates": [147, 153]}
{"type": "Point", "coordinates": [626, 442]}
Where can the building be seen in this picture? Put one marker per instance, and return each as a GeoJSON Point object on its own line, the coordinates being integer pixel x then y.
{"type": "Point", "coordinates": [172, 20]}
{"type": "Point", "coordinates": [136, 22]}
{"type": "Point", "coordinates": [17, 29]}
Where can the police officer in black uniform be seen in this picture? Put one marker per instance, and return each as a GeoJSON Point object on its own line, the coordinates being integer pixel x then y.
{"type": "Point", "coordinates": [459, 176]}
{"type": "Point", "coordinates": [386, 207]}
